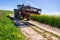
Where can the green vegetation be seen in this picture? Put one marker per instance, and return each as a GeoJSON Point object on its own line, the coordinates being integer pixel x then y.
{"type": "Point", "coordinates": [8, 31]}
{"type": "Point", "coordinates": [47, 19]}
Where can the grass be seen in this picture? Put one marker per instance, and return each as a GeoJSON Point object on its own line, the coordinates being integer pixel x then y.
{"type": "Point", "coordinates": [47, 19]}
{"type": "Point", "coordinates": [8, 31]}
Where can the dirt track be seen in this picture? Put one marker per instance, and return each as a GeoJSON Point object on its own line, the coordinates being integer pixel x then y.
{"type": "Point", "coordinates": [33, 33]}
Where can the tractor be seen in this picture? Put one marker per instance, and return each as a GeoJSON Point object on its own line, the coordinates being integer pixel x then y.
{"type": "Point", "coordinates": [23, 11]}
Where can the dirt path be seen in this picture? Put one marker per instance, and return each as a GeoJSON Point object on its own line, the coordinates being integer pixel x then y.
{"type": "Point", "coordinates": [46, 26]}
{"type": "Point", "coordinates": [34, 33]}
{"type": "Point", "coordinates": [31, 34]}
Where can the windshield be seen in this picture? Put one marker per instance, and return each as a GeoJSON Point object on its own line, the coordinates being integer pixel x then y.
{"type": "Point", "coordinates": [19, 7]}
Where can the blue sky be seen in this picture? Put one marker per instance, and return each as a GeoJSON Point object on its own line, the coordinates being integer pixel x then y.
{"type": "Point", "coordinates": [47, 6]}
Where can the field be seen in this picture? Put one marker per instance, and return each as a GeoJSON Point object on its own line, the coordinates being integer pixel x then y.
{"type": "Point", "coordinates": [53, 21]}
{"type": "Point", "coordinates": [8, 31]}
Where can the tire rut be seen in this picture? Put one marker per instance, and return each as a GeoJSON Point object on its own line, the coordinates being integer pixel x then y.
{"type": "Point", "coordinates": [35, 33]}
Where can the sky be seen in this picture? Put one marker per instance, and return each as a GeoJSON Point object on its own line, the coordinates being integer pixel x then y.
{"type": "Point", "coordinates": [47, 6]}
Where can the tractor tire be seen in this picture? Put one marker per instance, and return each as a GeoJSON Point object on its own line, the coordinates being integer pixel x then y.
{"type": "Point", "coordinates": [28, 18]}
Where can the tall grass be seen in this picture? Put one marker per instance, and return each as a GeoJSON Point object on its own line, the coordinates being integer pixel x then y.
{"type": "Point", "coordinates": [47, 19]}
{"type": "Point", "coordinates": [8, 31]}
